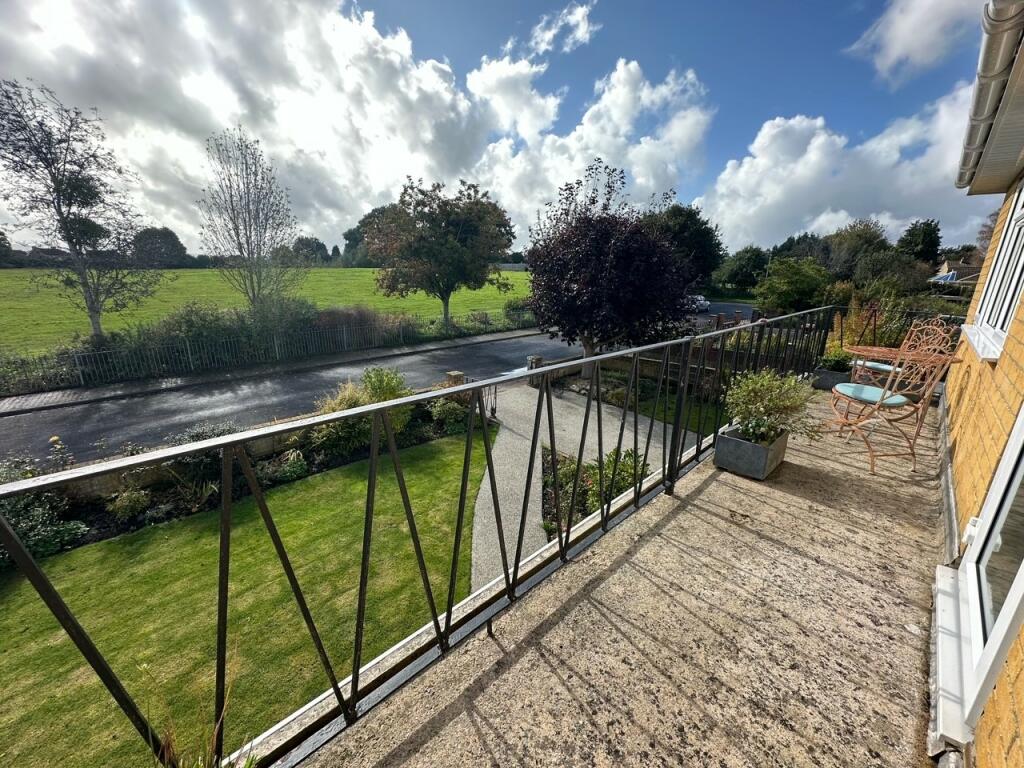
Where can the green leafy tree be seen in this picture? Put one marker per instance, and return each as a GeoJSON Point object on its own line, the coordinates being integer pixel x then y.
{"type": "Point", "coordinates": [743, 269]}
{"type": "Point", "coordinates": [601, 273]}
{"type": "Point", "coordinates": [355, 254]}
{"type": "Point", "coordinates": [336, 255]}
{"type": "Point", "coordinates": [694, 239]}
{"type": "Point", "coordinates": [853, 242]}
{"type": "Point", "coordinates": [62, 180]}
{"type": "Point", "coordinates": [436, 243]}
{"type": "Point", "coordinates": [921, 241]}
{"type": "Point", "coordinates": [159, 247]}
{"type": "Point", "coordinates": [5, 247]}
{"type": "Point", "coordinates": [806, 245]}
{"type": "Point", "coordinates": [792, 285]}
{"type": "Point", "coordinates": [901, 272]}
{"type": "Point", "coordinates": [310, 250]}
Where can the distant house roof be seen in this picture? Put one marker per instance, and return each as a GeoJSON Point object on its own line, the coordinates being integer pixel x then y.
{"type": "Point", "coordinates": [991, 158]}
{"type": "Point", "coordinates": [959, 267]}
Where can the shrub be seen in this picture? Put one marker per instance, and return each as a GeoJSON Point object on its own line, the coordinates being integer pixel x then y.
{"type": "Point", "coordinates": [839, 293]}
{"type": "Point", "coordinates": [128, 503]}
{"type": "Point", "coordinates": [836, 359]}
{"type": "Point", "coordinates": [616, 396]}
{"type": "Point", "coordinates": [480, 318]}
{"type": "Point", "coordinates": [343, 439]}
{"type": "Point", "coordinates": [353, 317]}
{"type": "Point", "coordinates": [294, 467]}
{"type": "Point", "coordinates": [381, 384]}
{"type": "Point", "coordinates": [517, 305]}
{"type": "Point", "coordinates": [449, 415]}
{"type": "Point", "coordinates": [196, 477]}
{"type": "Point", "coordinates": [767, 404]}
{"type": "Point", "coordinates": [37, 518]}
{"type": "Point", "coordinates": [588, 495]}
{"type": "Point", "coordinates": [624, 477]}
{"type": "Point", "coordinates": [282, 315]}
{"type": "Point", "coordinates": [286, 468]}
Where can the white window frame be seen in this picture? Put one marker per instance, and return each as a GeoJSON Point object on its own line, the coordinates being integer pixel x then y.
{"type": "Point", "coordinates": [982, 660]}
{"type": "Point", "coordinates": [1001, 292]}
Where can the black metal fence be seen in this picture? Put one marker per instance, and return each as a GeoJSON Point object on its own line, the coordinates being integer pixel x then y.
{"type": "Point", "coordinates": [668, 402]}
{"type": "Point", "coordinates": [65, 370]}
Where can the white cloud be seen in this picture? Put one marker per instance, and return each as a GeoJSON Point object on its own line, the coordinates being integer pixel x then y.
{"type": "Point", "coordinates": [345, 110]}
{"type": "Point", "coordinates": [573, 20]}
{"type": "Point", "coordinates": [507, 86]}
{"type": "Point", "coordinates": [525, 177]}
{"type": "Point", "coordinates": [799, 175]}
{"type": "Point", "coordinates": [912, 35]}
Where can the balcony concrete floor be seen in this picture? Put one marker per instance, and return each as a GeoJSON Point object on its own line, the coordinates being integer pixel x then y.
{"type": "Point", "coordinates": [738, 623]}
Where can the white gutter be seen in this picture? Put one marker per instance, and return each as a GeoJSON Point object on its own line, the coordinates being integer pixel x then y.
{"type": "Point", "coordinates": [1002, 22]}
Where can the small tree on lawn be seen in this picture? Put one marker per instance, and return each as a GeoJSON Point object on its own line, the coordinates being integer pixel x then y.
{"type": "Point", "coordinates": [437, 244]}
{"type": "Point", "coordinates": [247, 219]}
{"type": "Point", "coordinates": [601, 272]}
{"type": "Point", "coordinates": [66, 184]}
{"type": "Point", "coordinates": [5, 246]}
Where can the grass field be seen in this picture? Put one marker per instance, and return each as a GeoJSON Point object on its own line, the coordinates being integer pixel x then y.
{"type": "Point", "coordinates": [35, 319]}
{"type": "Point", "coordinates": [148, 599]}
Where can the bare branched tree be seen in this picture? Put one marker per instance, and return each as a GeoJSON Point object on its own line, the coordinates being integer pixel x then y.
{"type": "Point", "coordinates": [62, 181]}
{"type": "Point", "coordinates": [247, 218]}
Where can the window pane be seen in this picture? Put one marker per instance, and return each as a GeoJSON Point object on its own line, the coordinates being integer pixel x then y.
{"type": "Point", "coordinates": [1002, 274]}
{"type": "Point", "coordinates": [1003, 551]}
{"type": "Point", "coordinates": [999, 295]}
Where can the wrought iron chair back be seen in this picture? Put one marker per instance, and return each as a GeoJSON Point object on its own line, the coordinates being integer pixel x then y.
{"type": "Point", "coordinates": [933, 333]}
{"type": "Point", "coordinates": [902, 400]}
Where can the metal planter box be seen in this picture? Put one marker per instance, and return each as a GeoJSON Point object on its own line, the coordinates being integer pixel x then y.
{"type": "Point", "coordinates": [825, 380]}
{"type": "Point", "coordinates": [743, 457]}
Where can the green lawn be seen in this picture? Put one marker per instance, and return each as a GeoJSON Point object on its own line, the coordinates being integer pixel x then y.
{"type": "Point", "coordinates": [148, 600]}
{"type": "Point", "coordinates": [35, 319]}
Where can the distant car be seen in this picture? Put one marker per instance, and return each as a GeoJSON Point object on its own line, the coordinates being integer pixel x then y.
{"type": "Point", "coordinates": [702, 304]}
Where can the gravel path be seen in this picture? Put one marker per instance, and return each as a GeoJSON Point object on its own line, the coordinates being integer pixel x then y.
{"type": "Point", "coordinates": [517, 407]}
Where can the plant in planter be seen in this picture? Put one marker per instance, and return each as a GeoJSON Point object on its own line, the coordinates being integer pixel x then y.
{"type": "Point", "coordinates": [766, 409]}
{"type": "Point", "coordinates": [833, 368]}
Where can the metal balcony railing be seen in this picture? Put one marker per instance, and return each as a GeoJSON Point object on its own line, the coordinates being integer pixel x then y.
{"type": "Point", "coordinates": [668, 397]}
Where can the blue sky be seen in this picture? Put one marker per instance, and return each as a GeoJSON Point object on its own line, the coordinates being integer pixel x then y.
{"type": "Point", "coordinates": [758, 60]}
{"type": "Point", "coordinates": [776, 117]}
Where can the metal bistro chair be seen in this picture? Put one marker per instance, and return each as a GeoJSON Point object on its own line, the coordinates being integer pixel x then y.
{"type": "Point", "coordinates": [901, 402]}
{"type": "Point", "coordinates": [922, 334]}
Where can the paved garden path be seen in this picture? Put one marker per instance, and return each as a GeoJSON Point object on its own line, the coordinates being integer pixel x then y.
{"type": "Point", "coordinates": [516, 408]}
